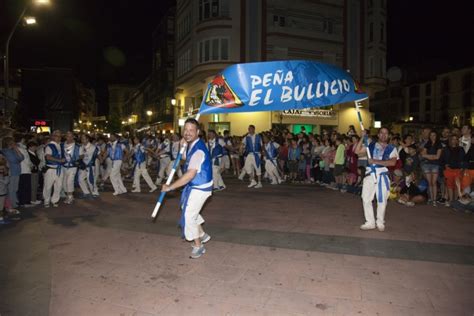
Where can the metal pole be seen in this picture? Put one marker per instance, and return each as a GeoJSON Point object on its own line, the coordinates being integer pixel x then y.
{"type": "Point", "coordinates": [6, 65]}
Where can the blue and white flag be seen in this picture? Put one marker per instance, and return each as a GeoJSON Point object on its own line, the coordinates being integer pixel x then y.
{"type": "Point", "coordinates": [278, 86]}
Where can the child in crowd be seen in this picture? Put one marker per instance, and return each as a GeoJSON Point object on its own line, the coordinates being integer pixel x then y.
{"type": "Point", "coordinates": [414, 192]}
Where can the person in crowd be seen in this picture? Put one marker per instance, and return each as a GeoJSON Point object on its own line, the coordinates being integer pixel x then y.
{"type": "Point", "coordinates": [35, 171]}
{"type": "Point", "coordinates": [117, 153]}
{"type": "Point", "coordinates": [294, 155]}
{"type": "Point", "coordinates": [163, 152]}
{"type": "Point", "coordinates": [339, 163]}
{"type": "Point", "coordinates": [14, 158]}
{"type": "Point", "coordinates": [216, 152]}
{"type": "Point", "coordinates": [234, 155]}
{"type": "Point", "coordinates": [252, 144]}
{"type": "Point", "coordinates": [431, 153]}
{"type": "Point", "coordinates": [24, 184]}
{"type": "Point", "coordinates": [139, 169]}
{"type": "Point", "coordinates": [414, 192]}
{"type": "Point", "coordinates": [53, 177]}
{"type": "Point", "coordinates": [424, 138]}
{"type": "Point", "coordinates": [377, 182]}
{"type": "Point", "coordinates": [452, 158]}
{"type": "Point", "coordinates": [71, 155]}
{"type": "Point", "coordinates": [89, 154]}
{"type": "Point", "coordinates": [444, 137]}
{"type": "Point", "coordinates": [4, 180]}
{"type": "Point", "coordinates": [468, 172]}
{"type": "Point", "coordinates": [283, 159]}
{"type": "Point", "coordinates": [175, 147]}
{"type": "Point", "coordinates": [271, 164]}
{"type": "Point", "coordinates": [465, 140]}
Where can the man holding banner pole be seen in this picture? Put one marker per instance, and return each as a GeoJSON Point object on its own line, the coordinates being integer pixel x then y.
{"type": "Point", "coordinates": [376, 182]}
{"type": "Point", "coordinates": [253, 147]}
{"type": "Point", "coordinates": [198, 183]}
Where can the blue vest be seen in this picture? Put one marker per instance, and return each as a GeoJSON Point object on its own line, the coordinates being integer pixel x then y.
{"type": "Point", "coordinates": [272, 154]}
{"type": "Point", "coordinates": [216, 152]}
{"type": "Point", "coordinates": [253, 148]}
{"type": "Point", "coordinates": [117, 154]}
{"type": "Point", "coordinates": [205, 174]}
{"type": "Point", "coordinates": [74, 157]}
{"type": "Point", "coordinates": [56, 154]}
{"type": "Point", "coordinates": [139, 155]}
{"type": "Point", "coordinates": [386, 153]}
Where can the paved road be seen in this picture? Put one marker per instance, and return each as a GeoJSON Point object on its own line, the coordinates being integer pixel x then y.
{"type": "Point", "coordinates": [284, 250]}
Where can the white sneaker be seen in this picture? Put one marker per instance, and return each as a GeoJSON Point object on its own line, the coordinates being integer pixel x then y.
{"type": "Point", "coordinates": [36, 202]}
{"type": "Point", "coordinates": [381, 227]}
{"type": "Point", "coordinates": [258, 186]}
{"type": "Point", "coordinates": [410, 203]}
{"type": "Point", "coordinates": [153, 190]}
{"type": "Point", "coordinates": [367, 226]}
{"type": "Point", "coordinates": [136, 191]}
{"type": "Point", "coordinates": [274, 183]}
{"type": "Point", "coordinates": [252, 184]}
{"type": "Point", "coordinates": [241, 176]}
{"type": "Point", "coordinates": [115, 193]}
{"type": "Point", "coordinates": [158, 181]}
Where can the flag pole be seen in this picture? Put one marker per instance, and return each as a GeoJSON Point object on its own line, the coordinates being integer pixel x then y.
{"type": "Point", "coordinates": [358, 104]}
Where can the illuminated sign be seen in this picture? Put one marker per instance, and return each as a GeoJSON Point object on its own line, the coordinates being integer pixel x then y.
{"type": "Point", "coordinates": [331, 114]}
{"type": "Point", "coordinates": [40, 123]}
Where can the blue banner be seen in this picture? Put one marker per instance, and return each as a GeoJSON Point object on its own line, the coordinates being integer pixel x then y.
{"type": "Point", "coordinates": [278, 86]}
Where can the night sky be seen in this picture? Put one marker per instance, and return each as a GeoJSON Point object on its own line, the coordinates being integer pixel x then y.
{"type": "Point", "coordinates": [106, 41]}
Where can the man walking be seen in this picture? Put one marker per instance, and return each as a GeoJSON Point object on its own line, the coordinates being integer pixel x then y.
{"type": "Point", "coordinates": [197, 182]}
{"type": "Point", "coordinates": [253, 146]}
{"type": "Point", "coordinates": [53, 177]}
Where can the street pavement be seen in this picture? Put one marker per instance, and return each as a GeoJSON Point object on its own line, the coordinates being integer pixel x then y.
{"type": "Point", "coordinates": [279, 250]}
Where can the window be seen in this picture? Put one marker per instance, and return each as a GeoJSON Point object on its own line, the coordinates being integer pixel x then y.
{"type": "Point", "coordinates": [212, 9]}
{"type": "Point", "coordinates": [445, 85]}
{"type": "Point", "coordinates": [382, 67]}
{"type": "Point", "coordinates": [414, 106]}
{"type": "Point", "coordinates": [414, 92]}
{"type": "Point", "coordinates": [214, 49]}
{"type": "Point", "coordinates": [279, 20]}
{"type": "Point", "coordinates": [467, 99]}
{"type": "Point", "coordinates": [427, 105]}
{"type": "Point", "coordinates": [445, 102]}
{"type": "Point", "coordinates": [184, 27]}
{"type": "Point", "coordinates": [371, 66]}
{"type": "Point", "coordinates": [428, 89]}
{"type": "Point", "coordinates": [184, 63]}
{"type": "Point", "coordinates": [371, 32]}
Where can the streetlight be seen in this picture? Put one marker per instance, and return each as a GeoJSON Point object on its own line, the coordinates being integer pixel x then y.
{"type": "Point", "coordinates": [149, 113]}
{"type": "Point", "coordinates": [173, 102]}
{"type": "Point", "coordinates": [6, 64]}
{"type": "Point", "coordinates": [30, 20]}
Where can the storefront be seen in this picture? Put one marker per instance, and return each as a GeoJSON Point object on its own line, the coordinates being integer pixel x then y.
{"type": "Point", "coordinates": [338, 117]}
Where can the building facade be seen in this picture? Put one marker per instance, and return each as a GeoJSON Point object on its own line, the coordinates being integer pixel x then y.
{"type": "Point", "coordinates": [445, 99]}
{"type": "Point", "coordinates": [213, 34]}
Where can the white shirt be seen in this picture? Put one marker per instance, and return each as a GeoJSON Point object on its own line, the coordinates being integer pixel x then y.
{"type": "Point", "coordinates": [25, 163]}
{"type": "Point", "coordinates": [87, 151]}
{"type": "Point", "coordinates": [465, 143]}
{"type": "Point", "coordinates": [197, 158]}
{"type": "Point", "coordinates": [69, 151]}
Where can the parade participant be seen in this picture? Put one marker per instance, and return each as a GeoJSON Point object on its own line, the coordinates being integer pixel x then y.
{"type": "Point", "coordinates": [226, 144]}
{"type": "Point", "coordinates": [88, 154]}
{"type": "Point", "coordinates": [150, 144]}
{"type": "Point", "coordinates": [175, 144]}
{"type": "Point", "coordinates": [197, 182]}
{"type": "Point", "coordinates": [53, 177]}
{"type": "Point", "coordinates": [117, 153]}
{"type": "Point", "coordinates": [104, 161]}
{"type": "Point", "coordinates": [271, 154]}
{"type": "Point", "coordinates": [139, 169]}
{"type": "Point", "coordinates": [253, 146]}
{"type": "Point", "coordinates": [235, 155]}
{"type": "Point", "coordinates": [71, 155]}
{"type": "Point", "coordinates": [216, 151]}
{"type": "Point", "coordinates": [163, 153]}
{"type": "Point", "coordinates": [376, 181]}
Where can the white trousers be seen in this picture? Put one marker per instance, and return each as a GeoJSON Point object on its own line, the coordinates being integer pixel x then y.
{"type": "Point", "coordinates": [226, 161]}
{"type": "Point", "coordinates": [251, 165]}
{"type": "Point", "coordinates": [192, 218]}
{"type": "Point", "coordinates": [170, 167]}
{"type": "Point", "coordinates": [52, 182]}
{"type": "Point", "coordinates": [68, 179]}
{"type": "Point", "coordinates": [164, 162]}
{"type": "Point", "coordinates": [141, 170]}
{"type": "Point", "coordinates": [116, 177]}
{"type": "Point", "coordinates": [370, 189]}
{"type": "Point", "coordinates": [272, 171]}
{"type": "Point", "coordinates": [84, 183]}
{"type": "Point", "coordinates": [217, 177]}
